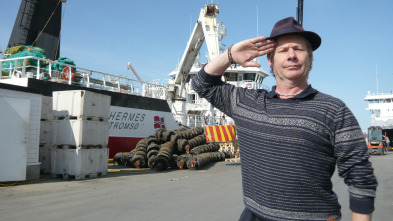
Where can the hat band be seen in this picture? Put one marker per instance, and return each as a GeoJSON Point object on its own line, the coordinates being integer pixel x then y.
{"type": "Point", "coordinates": [289, 30]}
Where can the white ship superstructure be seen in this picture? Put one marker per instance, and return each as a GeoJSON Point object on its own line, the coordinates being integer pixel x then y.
{"type": "Point", "coordinates": [380, 106]}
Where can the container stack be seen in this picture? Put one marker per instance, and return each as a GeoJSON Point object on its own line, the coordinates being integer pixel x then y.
{"type": "Point", "coordinates": [45, 142]}
{"type": "Point", "coordinates": [80, 131]}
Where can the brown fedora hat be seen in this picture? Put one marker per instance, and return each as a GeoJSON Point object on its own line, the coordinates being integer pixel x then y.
{"type": "Point", "coordinates": [289, 26]}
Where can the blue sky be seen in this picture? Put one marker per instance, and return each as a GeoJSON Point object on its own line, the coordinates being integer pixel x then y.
{"type": "Point", "coordinates": [152, 35]}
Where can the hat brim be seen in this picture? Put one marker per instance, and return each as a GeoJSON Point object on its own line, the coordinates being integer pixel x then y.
{"type": "Point", "coordinates": [312, 37]}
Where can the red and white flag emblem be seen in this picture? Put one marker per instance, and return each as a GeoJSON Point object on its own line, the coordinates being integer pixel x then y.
{"type": "Point", "coordinates": [159, 122]}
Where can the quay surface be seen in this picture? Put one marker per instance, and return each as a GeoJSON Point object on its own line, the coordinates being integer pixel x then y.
{"type": "Point", "coordinates": [213, 193]}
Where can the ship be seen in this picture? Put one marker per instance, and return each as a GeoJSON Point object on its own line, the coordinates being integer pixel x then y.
{"type": "Point", "coordinates": [137, 108]}
{"type": "Point", "coordinates": [380, 106]}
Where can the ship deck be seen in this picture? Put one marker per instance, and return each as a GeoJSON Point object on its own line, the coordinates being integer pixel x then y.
{"type": "Point", "coordinates": [213, 193]}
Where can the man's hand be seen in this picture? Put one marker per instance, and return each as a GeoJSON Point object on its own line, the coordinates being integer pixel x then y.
{"type": "Point", "coordinates": [361, 217]}
{"type": "Point", "coordinates": [244, 52]}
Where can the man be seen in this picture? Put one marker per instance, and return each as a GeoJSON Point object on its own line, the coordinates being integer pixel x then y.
{"type": "Point", "coordinates": [292, 137]}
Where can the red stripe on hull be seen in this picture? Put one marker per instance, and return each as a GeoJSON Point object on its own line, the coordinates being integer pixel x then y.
{"type": "Point", "coordinates": [121, 144]}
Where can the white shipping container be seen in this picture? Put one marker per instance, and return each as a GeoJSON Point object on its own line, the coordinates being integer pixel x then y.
{"type": "Point", "coordinates": [81, 104]}
{"type": "Point", "coordinates": [46, 133]}
{"type": "Point", "coordinates": [80, 133]}
{"type": "Point", "coordinates": [14, 123]}
{"type": "Point", "coordinates": [46, 108]}
{"type": "Point", "coordinates": [35, 101]}
{"type": "Point", "coordinates": [81, 163]}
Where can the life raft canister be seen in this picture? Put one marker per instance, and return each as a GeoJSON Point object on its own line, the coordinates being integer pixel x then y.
{"type": "Point", "coordinates": [65, 73]}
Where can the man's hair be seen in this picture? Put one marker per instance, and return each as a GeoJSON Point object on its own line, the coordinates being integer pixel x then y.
{"type": "Point", "coordinates": [309, 51]}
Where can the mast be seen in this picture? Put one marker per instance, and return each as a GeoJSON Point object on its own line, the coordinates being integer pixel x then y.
{"type": "Point", "coordinates": [38, 22]}
{"type": "Point", "coordinates": [300, 12]}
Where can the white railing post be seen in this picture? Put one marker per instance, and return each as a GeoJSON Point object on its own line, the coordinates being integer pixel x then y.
{"type": "Point", "coordinates": [24, 66]}
{"type": "Point", "coordinates": [118, 83]}
{"type": "Point", "coordinates": [69, 75]}
{"type": "Point", "coordinates": [15, 66]}
{"type": "Point", "coordinates": [38, 69]}
{"type": "Point", "coordinates": [10, 70]}
{"type": "Point", "coordinates": [88, 78]}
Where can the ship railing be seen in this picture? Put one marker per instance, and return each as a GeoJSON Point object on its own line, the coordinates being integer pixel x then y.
{"type": "Point", "coordinates": [193, 120]}
{"type": "Point", "coordinates": [251, 85]}
{"type": "Point", "coordinates": [200, 104]}
{"type": "Point", "coordinates": [40, 68]}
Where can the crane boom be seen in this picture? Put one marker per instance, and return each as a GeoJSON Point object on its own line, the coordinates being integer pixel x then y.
{"type": "Point", "coordinates": [204, 29]}
{"type": "Point", "coordinates": [129, 66]}
{"type": "Point", "coordinates": [193, 47]}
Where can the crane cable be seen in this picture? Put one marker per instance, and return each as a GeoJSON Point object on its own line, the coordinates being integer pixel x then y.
{"type": "Point", "coordinates": [58, 3]}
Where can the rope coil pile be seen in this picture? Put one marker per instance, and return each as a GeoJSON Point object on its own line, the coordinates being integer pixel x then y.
{"type": "Point", "coordinates": [176, 149]}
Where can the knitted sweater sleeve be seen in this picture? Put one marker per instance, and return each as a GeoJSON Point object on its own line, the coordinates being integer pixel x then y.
{"type": "Point", "coordinates": [353, 162]}
{"type": "Point", "coordinates": [214, 90]}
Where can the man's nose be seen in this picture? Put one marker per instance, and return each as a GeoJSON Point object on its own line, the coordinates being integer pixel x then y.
{"type": "Point", "coordinates": [291, 53]}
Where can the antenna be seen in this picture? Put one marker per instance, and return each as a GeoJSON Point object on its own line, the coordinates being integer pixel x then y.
{"type": "Point", "coordinates": [257, 23]}
{"type": "Point", "coordinates": [300, 12]}
{"type": "Point", "coordinates": [190, 24]}
{"type": "Point", "coordinates": [257, 29]}
{"type": "Point", "coordinates": [376, 75]}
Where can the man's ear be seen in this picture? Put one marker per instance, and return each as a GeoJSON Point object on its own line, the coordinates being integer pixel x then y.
{"type": "Point", "coordinates": [269, 62]}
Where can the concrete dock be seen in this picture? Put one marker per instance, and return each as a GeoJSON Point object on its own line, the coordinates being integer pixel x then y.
{"type": "Point", "coordinates": [213, 193]}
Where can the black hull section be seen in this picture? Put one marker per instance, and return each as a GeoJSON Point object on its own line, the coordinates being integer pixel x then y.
{"type": "Point", "coordinates": [31, 19]}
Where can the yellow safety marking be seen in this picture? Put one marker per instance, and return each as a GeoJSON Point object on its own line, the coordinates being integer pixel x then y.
{"type": "Point", "coordinates": [222, 134]}
{"type": "Point", "coordinates": [210, 133]}
{"type": "Point", "coordinates": [229, 134]}
{"type": "Point", "coordinates": [126, 171]}
{"type": "Point", "coordinates": [215, 134]}
{"type": "Point", "coordinates": [22, 182]}
{"type": "Point", "coordinates": [234, 131]}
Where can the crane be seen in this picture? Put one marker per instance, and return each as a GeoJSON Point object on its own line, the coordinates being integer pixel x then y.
{"type": "Point", "coordinates": [206, 30]}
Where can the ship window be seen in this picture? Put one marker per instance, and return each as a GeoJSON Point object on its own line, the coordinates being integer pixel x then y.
{"type": "Point", "coordinates": [249, 76]}
{"type": "Point", "coordinates": [377, 113]}
{"type": "Point", "coordinates": [191, 98]}
{"type": "Point", "coordinates": [230, 76]}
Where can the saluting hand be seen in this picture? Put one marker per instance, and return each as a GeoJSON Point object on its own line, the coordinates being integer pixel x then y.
{"type": "Point", "coordinates": [245, 51]}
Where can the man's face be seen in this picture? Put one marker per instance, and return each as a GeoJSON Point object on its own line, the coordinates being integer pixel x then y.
{"type": "Point", "coordinates": [291, 61]}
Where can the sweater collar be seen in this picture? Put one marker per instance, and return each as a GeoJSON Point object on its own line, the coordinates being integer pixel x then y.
{"type": "Point", "coordinates": [305, 93]}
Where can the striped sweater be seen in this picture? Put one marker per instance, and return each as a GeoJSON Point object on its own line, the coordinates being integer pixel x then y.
{"type": "Point", "coordinates": [289, 149]}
